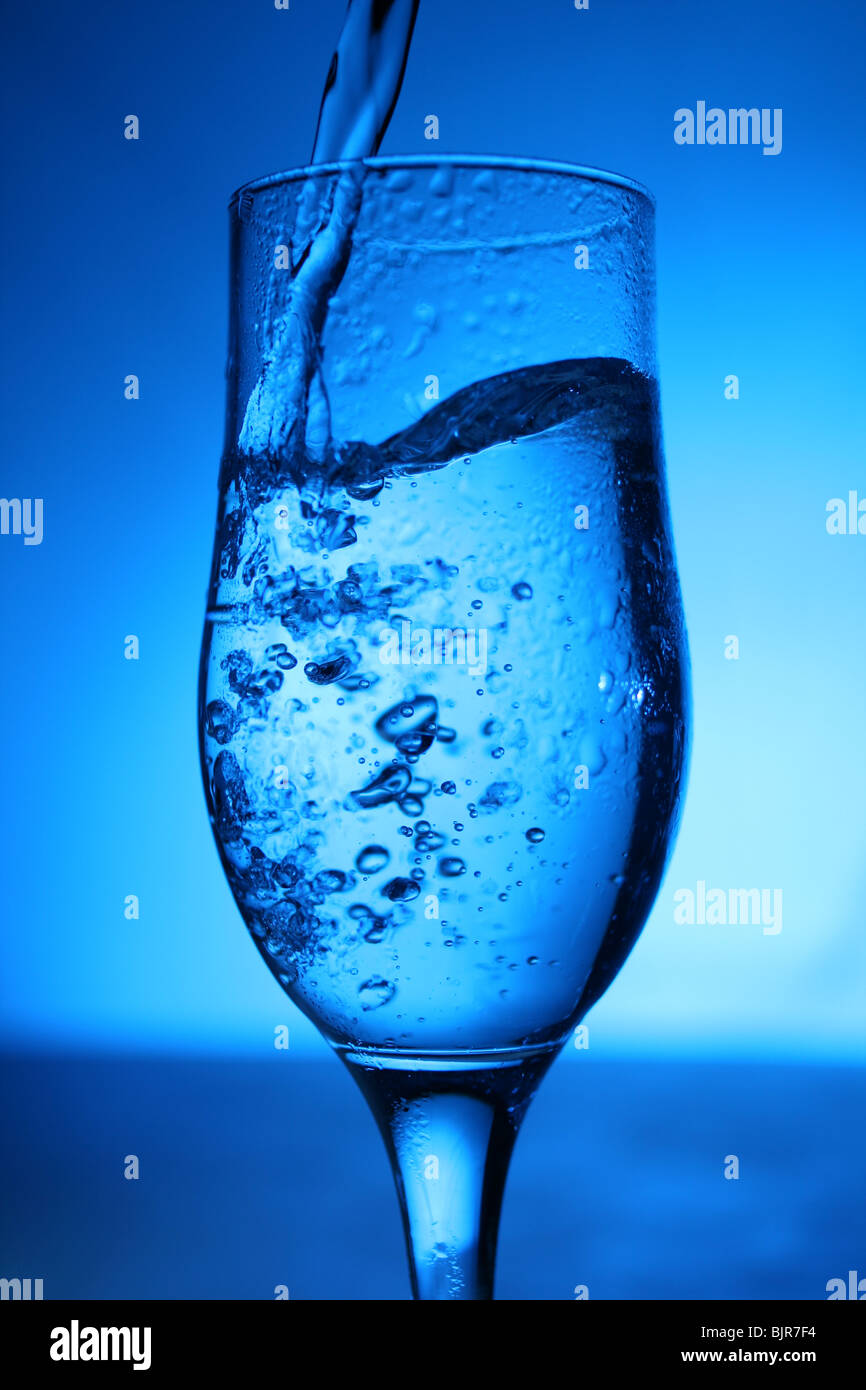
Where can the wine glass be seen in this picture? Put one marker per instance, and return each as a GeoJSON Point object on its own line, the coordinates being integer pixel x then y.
{"type": "Point", "coordinates": [444, 679]}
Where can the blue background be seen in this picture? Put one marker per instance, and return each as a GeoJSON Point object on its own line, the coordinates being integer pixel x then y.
{"type": "Point", "coordinates": [116, 256]}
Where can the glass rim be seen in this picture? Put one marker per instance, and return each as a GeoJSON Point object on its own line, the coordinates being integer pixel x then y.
{"type": "Point", "coordinates": [583, 172]}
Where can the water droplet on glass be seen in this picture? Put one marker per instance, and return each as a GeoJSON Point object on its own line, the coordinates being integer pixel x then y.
{"type": "Point", "coordinates": [591, 753]}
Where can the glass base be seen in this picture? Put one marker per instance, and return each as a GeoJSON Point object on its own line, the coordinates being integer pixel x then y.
{"type": "Point", "coordinates": [400, 1059]}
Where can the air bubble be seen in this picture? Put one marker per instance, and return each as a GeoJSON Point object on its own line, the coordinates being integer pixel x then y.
{"type": "Point", "coordinates": [452, 866]}
{"type": "Point", "coordinates": [401, 890]}
{"type": "Point", "coordinates": [372, 859]}
{"type": "Point", "coordinates": [376, 992]}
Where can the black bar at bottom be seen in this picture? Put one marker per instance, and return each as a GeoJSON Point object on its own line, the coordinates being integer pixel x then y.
{"type": "Point", "coordinates": [172, 1338]}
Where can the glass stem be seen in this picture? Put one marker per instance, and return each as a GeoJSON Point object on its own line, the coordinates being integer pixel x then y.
{"type": "Point", "coordinates": [450, 1134]}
